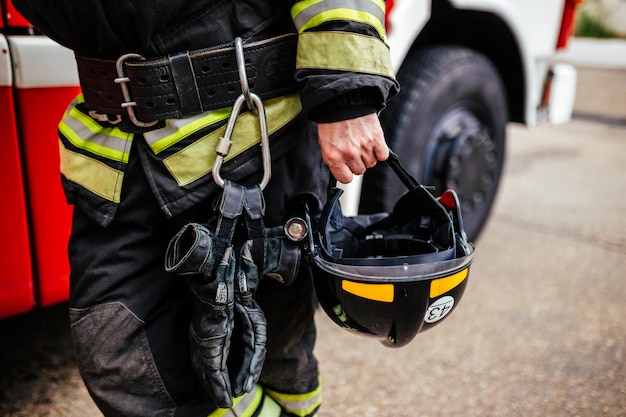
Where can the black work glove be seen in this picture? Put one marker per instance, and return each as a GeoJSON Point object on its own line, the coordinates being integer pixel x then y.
{"type": "Point", "coordinates": [211, 330]}
{"type": "Point", "coordinates": [282, 257]}
{"type": "Point", "coordinates": [254, 326]}
{"type": "Point", "coordinates": [192, 252]}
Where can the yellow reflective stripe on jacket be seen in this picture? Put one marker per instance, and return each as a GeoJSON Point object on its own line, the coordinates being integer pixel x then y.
{"type": "Point", "coordinates": [95, 176]}
{"type": "Point", "coordinates": [85, 133]}
{"type": "Point", "coordinates": [312, 13]}
{"type": "Point", "coordinates": [248, 404]}
{"type": "Point", "coordinates": [176, 130]}
{"type": "Point", "coordinates": [345, 52]}
{"type": "Point", "coordinates": [300, 405]}
{"type": "Point", "coordinates": [196, 160]}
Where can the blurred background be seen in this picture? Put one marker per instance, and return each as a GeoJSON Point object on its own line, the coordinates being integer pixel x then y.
{"type": "Point", "coordinates": [601, 19]}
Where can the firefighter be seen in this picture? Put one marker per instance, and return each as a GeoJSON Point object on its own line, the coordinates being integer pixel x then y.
{"type": "Point", "coordinates": [159, 79]}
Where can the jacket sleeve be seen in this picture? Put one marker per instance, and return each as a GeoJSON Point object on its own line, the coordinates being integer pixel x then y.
{"type": "Point", "coordinates": [343, 64]}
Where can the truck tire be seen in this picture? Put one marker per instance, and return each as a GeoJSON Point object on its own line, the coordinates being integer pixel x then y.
{"type": "Point", "coordinates": [448, 127]}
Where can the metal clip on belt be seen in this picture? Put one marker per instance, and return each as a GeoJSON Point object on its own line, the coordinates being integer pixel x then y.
{"type": "Point", "coordinates": [254, 104]}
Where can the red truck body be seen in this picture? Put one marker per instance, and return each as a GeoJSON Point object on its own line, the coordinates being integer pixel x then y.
{"type": "Point", "coordinates": [36, 219]}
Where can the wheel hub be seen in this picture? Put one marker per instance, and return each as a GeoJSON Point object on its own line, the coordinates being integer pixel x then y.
{"type": "Point", "coordinates": [465, 159]}
{"type": "Point", "coordinates": [471, 166]}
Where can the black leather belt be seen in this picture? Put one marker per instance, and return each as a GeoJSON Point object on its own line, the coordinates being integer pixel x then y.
{"type": "Point", "coordinates": [186, 83]}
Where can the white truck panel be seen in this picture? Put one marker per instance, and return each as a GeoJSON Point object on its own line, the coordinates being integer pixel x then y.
{"type": "Point", "coordinates": [6, 78]}
{"type": "Point", "coordinates": [407, 19]}
{"type": "Point", "coordinates": [40, 62]}
{"type": "Point", "coordinates": [535, 25]}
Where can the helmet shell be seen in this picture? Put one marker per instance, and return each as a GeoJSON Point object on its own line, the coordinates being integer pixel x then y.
{"type": "Point", "coordinates": [391, 275]}
{"type": "Point", "coordinates": [391, 309]}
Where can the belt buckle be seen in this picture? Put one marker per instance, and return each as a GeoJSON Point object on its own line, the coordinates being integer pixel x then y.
{"type": "Point", "coordinates": [122, 80]}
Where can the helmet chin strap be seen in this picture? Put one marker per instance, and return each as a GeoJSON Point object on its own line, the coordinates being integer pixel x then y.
{"type": "Point", "coordinates": [407, 179]}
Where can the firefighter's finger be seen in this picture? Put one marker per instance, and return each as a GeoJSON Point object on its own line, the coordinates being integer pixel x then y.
{"type": "Point", "coordinates": [358, 166]}
{"type": "Point", "coordinates": [341, 173]}
{"type": "Point", "coordinates": [381, 151]}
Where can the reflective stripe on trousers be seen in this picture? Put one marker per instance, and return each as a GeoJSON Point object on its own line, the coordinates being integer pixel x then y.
{"type": "Point", "coordinates": [254, 403]}
{"type": "Point", "coordinates": [301, 405]}
{"type": "Point", "coordinates": [268, 403]}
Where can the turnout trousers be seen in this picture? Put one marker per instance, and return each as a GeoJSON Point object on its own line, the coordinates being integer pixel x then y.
{"type": "Point", "coordinates": [130, 318]}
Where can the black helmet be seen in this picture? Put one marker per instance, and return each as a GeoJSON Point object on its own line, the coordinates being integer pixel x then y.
{"type": "Point", "coordinates": [390, 275]}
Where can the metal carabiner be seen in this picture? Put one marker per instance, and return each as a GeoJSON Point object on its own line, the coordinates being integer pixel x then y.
{"type": "Point", "coordinates": [243, 76]}
{"type": "Point", "coordinates": [255, 105]}
{"type": "Point", "coordinates": [224, 145]}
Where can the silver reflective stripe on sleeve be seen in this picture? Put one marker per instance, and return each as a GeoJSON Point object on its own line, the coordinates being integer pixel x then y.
{"type": "Point", "coordinates": [311, 13]}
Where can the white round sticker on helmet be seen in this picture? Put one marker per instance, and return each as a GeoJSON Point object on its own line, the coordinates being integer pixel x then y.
{"type": "Point", "coordinates": [439, 309]}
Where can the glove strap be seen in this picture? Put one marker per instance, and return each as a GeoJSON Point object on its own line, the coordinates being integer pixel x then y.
{"type": "Point", "coordinates": [230, 209]}
{"type": "Point", "coordinates": [255, 210]}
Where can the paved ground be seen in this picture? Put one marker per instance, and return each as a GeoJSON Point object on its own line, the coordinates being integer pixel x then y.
{"type": "Point", "coordinates": [541, 330]}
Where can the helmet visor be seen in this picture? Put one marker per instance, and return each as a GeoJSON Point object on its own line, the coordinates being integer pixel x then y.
{"type": "Point", "coordinates": [404, 269]}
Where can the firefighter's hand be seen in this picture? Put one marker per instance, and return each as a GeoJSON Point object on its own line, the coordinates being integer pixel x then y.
{"type": "Point", "coordinates": [351, 146]}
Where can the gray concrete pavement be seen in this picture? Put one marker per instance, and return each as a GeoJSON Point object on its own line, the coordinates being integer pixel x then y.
{"type": "Point", "coordinates": [541, 330]}
{"type": "Point", "coordinates": [605, 104]}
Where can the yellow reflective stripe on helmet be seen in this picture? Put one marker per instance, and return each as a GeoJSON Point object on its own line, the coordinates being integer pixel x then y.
{"type": "Point", "coordinates": [85, 133]}
{"type": "Point", "coordinates": [300, 405]}
{"type": "Point", "coordinates": [376, 292]}
{"type": "Point", "coordinates": [312, 13]}
{"type": "Point", "coordinates": [176, 130]}
{"type": "Point", "coordinates": [443, 285]}
{"type": "Point", "coordinates": [196, 160]}
{"type": "Point", "coordinates": [344, 51]}
{"type": "Point", "coordinates": [95, 176]}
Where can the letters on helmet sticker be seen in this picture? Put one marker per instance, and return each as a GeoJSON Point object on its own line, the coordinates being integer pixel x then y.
{"type": "Point", "coordinates": [439, 309]}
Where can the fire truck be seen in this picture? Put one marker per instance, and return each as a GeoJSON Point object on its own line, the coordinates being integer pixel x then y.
{"type": "Point", "coordinates": [467, 68]}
